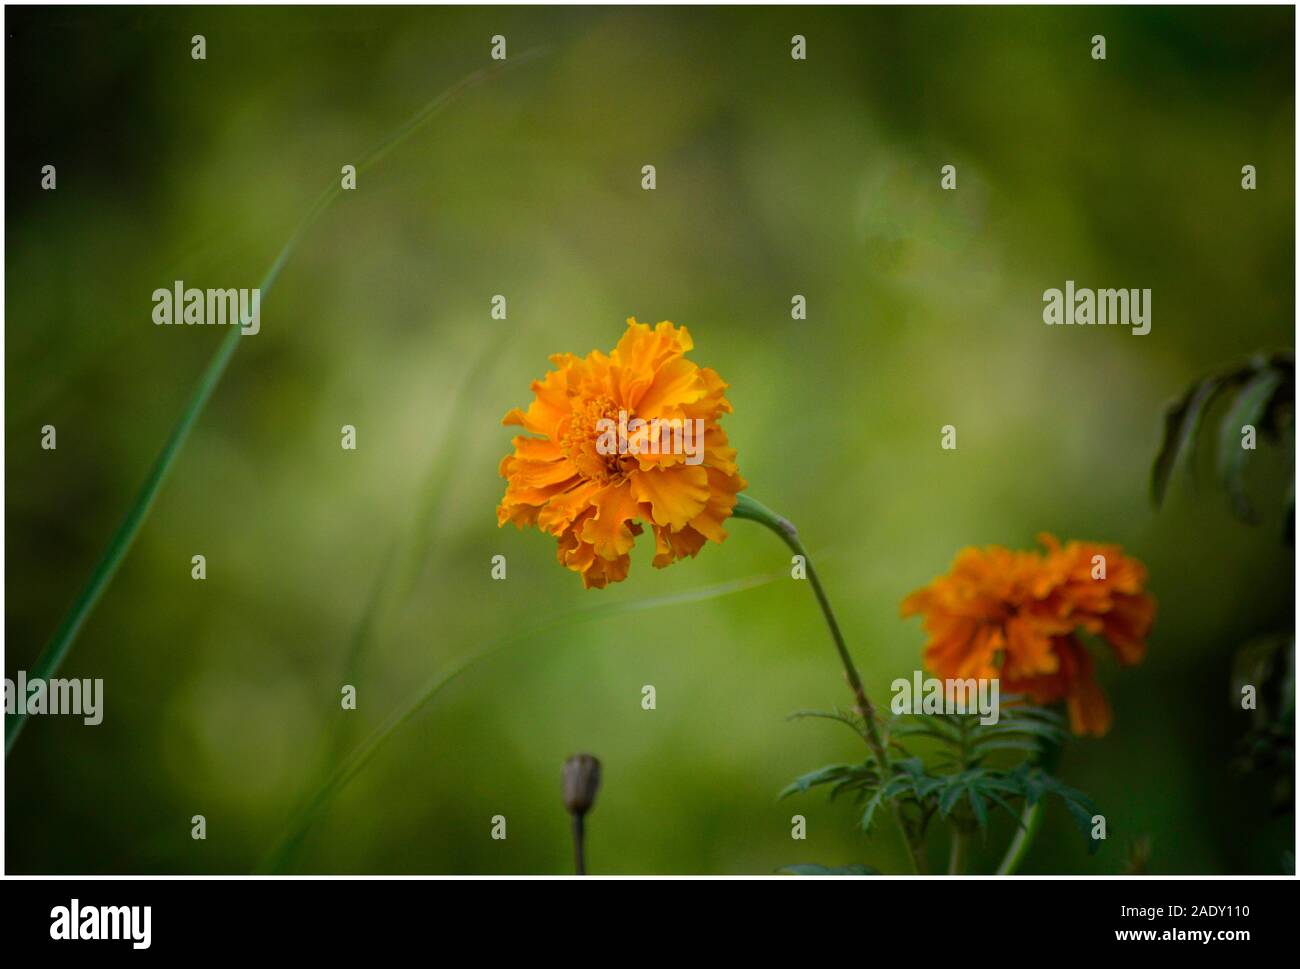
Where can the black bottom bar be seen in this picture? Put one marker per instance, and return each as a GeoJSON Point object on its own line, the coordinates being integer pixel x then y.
{"type": "Point", "coordinates": [942, 919]}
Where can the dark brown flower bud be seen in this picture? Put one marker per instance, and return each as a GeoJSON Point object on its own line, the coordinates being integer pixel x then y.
{"type": "Point", "coordinates": [581, 781]}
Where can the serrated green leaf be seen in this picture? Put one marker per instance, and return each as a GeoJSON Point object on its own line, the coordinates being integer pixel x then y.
{"type": "Point", "coordinates": [1009, 783]}
{"type": "Point", "coordinates": [823, 775]}
{"type": "Point", "coordinates": [884, 793]}
{"type": "Point", "coordinates": [925, 725]}
{"type": "Point", "coordinates": [1001, 802]}
{"type": "Point", "coordinates": [1013, 710]}
{"type": "Point", "coordinates": [913, 766]}
{"type": "Point", "coordinates": [849, 721]}
{"type": "Point", "coordinates": [1037, 728]}
{"type": "Point", "coordinates": [860, 784]}
{"type": "Point", "coordinates": [1078, 804]}
{"type": "Point", "coordinates": [924, 787]}
{"type": "Point", "coordinates": [951, 794]}
{"type": "Point", "coordinates": [923, 783]}
{"type": "Point", "coordinates": [993, 745]}
{"type": "Point", "coordinates": [978, 806]}
{"type": "Point", "coordinates": [1030, 782]}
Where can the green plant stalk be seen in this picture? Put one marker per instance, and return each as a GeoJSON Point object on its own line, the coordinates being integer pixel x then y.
{"type": "Point", "coordinates": [1031, 820]}
{"type": "Point", "coordinates": [957, 852]}
{"type": "Point", "coordinates": [579, 846]}
{"type": "Point", "coordinates": [752, 510]}
{"type": "Point", "coordinates": [56, 650]}
{"type": "Point", "coordinates": [957, 844]}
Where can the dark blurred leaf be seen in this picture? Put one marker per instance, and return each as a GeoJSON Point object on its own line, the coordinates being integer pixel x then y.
{"type": "Point", "coordinates": [1079, 805]}
{"type": "Point", "coordinates": [1247, 407]}
{"type": "Point", "coordinates": [1279, 416]}
{"type": "Point", "coordinates": [1266, 401]}
{"type": "Point", "coordinates": [1182, 421]}
{"type": "Point", "coordinates": [1268, 665]}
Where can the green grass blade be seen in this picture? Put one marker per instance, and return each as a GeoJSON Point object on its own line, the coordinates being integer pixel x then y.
{"type": "Point", "coordinates": [56, 650]}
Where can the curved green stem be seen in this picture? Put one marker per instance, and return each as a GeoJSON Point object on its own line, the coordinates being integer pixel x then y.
{"type": "Point", "coordinates": [752, 510]}
{"type": "Point", "coordinates": [957, 853]}
{"type": "Point", "coordinates": [1031, 819]}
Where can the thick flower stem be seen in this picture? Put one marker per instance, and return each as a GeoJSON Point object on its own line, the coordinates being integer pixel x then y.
{"type": "Point", "coordinates": [1031, 819]}
{"type": "Point", "coordinates": [957, 853]}
{"type": "Point", "coordinates": [752, 510]}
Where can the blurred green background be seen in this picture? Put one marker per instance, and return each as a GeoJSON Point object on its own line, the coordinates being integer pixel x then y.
{"type": "Point", "coordinates": [775, 177]}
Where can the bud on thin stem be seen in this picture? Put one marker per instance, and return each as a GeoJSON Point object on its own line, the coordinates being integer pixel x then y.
{"type": "Point", "coordinates": [581, 782]}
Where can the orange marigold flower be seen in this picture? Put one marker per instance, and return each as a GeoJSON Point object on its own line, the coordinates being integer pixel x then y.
{"type": "Point", "coordinates": [677, 476]}
{"type": "Point", "coordinates": [1017, 615]}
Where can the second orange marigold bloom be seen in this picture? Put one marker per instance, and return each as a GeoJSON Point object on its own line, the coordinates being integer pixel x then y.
{"type": "Point", "coordinates": [1017, 615]}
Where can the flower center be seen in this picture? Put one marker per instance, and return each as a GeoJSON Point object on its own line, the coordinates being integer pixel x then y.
{"type": "Point", "coordinates": [579, 437]}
